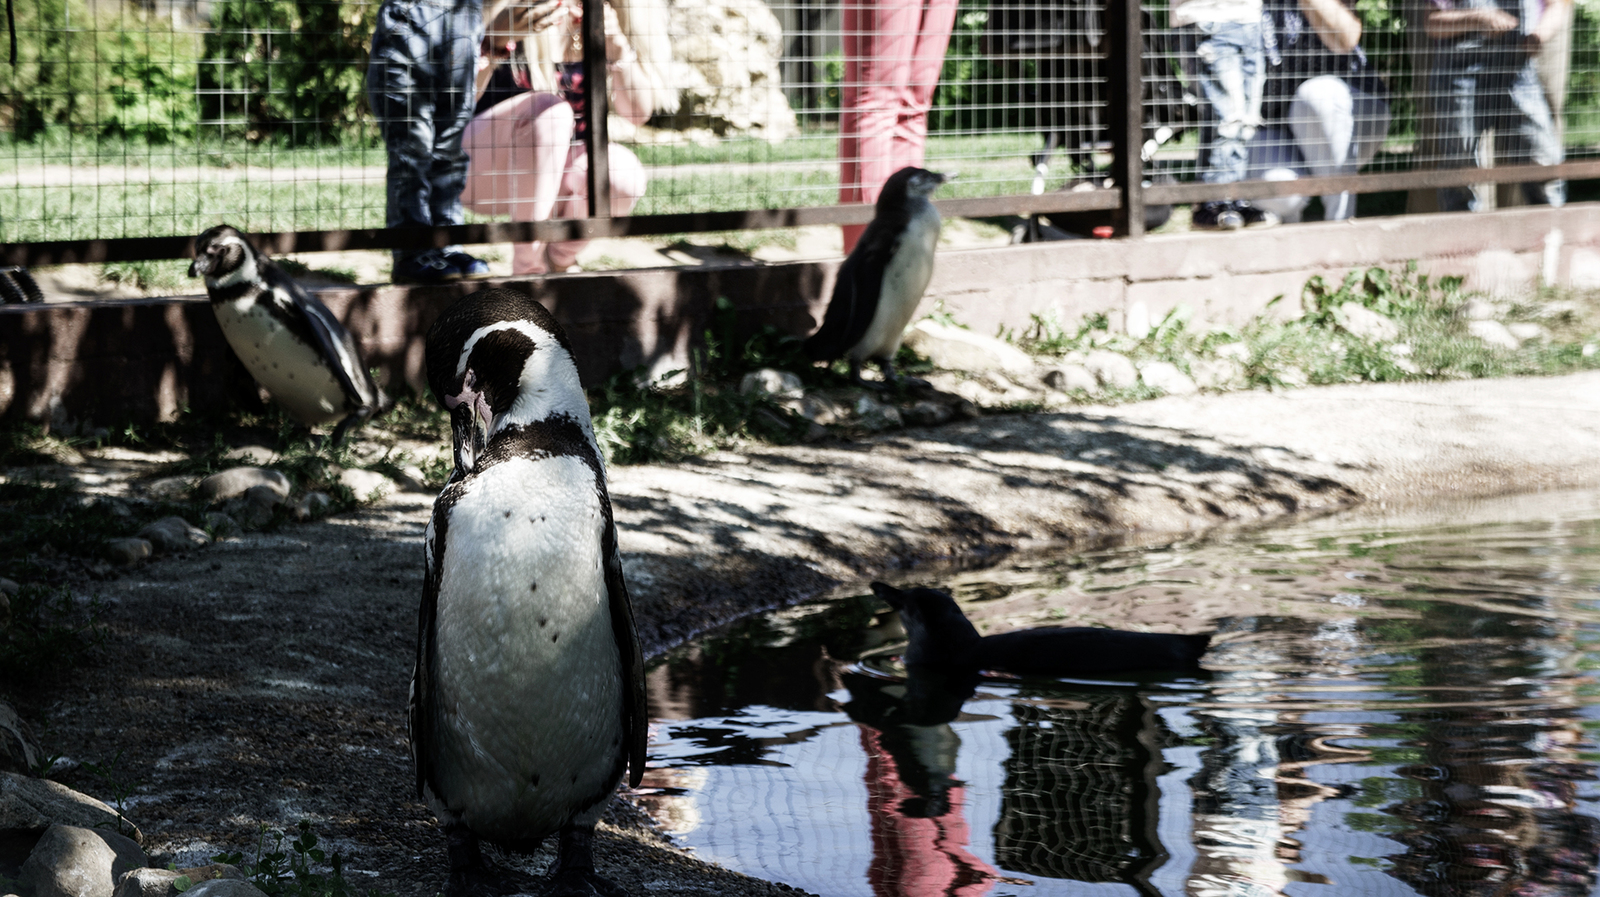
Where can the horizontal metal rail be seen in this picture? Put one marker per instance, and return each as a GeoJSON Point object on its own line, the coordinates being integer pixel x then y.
{"type": "Point", "coordinates": [1372, 183]}
{"type": "Point", "coordinates": [66, 252]}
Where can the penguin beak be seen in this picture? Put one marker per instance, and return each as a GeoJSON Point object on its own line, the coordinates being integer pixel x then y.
{"type": "Point", "coordinates": [470, 419]}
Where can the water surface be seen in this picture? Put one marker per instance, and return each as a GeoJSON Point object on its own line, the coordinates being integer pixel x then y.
{"type": "Point", "coordinates": [1393, 706]}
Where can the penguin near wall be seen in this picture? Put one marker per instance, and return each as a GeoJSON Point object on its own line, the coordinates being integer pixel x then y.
{"type": "Point", "coordinates": [882, 281]}
{"type": "Point", "coordinates": [528, 701]}
{"type": "Point", "coordinates": [290, 343]}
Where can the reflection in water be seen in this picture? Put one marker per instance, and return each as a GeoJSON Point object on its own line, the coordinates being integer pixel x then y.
{"type": "Point", "coordinates": [1389, 712]}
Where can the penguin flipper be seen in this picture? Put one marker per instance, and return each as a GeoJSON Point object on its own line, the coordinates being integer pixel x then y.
{"type": "Point", "coordinates": [336, 345]}
{"type": "Point", "coordinates": [420, 707]}
{"type": "Point", "coordinates": [855, 296]}
{"type": "Point", "coordinates": [635, 711]}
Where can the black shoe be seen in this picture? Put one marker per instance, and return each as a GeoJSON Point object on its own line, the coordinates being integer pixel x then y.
{"type": "Point", "coordinates": [1255, 217]}
{"type": "Point", "coordinates": [1216, 216]}
{"type": "Point", "coordinates": [471, 268]}
{"type": "Point", "coordinates": [427, 268]}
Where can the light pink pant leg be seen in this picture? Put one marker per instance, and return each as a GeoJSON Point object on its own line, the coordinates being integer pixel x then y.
{"type": "Point", "coordinates": [628, 183]}
{"type": "Point", "coordinates": [893, 51]}
{"type": "Point", "coordinates": [518, 151]}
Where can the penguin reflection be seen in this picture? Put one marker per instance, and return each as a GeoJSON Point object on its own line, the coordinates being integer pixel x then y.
{"type": "Point", "coordinates": [914, 801]}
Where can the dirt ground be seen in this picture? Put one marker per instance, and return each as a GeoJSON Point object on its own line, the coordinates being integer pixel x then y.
{"type": "Point", "coordinates": [263, 680]}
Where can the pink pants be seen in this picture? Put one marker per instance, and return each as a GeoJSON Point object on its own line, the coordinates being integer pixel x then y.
{"type": "Point", "coordinates": [525, 164]}
{"type": "Point", "coordinates": [893, 50]}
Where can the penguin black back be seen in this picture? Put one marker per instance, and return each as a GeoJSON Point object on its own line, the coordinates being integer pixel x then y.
{"type": "Point", "coordinates": [940, 635]}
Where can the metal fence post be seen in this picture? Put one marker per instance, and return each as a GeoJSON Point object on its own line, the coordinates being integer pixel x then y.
{"type": "Point", "coordinates": [597, 108]}
{"type": "Point", "coordinates": [1125, 111]}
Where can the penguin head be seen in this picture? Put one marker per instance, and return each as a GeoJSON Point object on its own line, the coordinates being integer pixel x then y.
{"type": "Point", "coordinates": [936, 629]}
{"type": "Point", "coordinates": [223, 256]}
{"type": "Point", "coordinates": [498, 359]}
{"type": "Point", "coordinates": [907, 183]}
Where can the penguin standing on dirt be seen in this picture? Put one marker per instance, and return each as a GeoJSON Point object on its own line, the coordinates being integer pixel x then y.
{"type": "Point", "coordinates": [289, 342]}
{"type": "Point", "coordinates": [528, 701]}
{"type": "Point", "coordinates": [881, 283]}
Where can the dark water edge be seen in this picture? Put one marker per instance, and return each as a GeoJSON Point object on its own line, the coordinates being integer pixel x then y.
{"type": "Point", "coordinates": [1396, 703]}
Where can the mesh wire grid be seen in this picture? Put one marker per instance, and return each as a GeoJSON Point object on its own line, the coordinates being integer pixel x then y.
{"type": "Point", "coordinates": [159, 118]}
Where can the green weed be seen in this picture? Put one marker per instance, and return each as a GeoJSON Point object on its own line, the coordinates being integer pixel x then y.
{"type": "Point", "coordinates": [295, 869]}
{"type": "Point", "coordinates": [46, 633]}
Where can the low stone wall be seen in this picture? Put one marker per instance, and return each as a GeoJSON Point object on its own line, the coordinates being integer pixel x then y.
{"type": "Point", "coordinates": [117, 360]}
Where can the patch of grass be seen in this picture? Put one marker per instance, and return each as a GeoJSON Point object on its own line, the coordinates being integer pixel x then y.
{"type": "Point", "coordinates": [151, 275]}
{"type": "Point", "coordinates": [43, 519]}
{"type": "Point", "coordinates": [44, 631]}
{"type": "Point", "coordinates": [301, 269]}
{"type": "Point", "coordinates": [295, 869]}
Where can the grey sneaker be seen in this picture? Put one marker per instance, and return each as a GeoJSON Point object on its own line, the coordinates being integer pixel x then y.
{"type": "Point", "coordinates": [1216, 216]}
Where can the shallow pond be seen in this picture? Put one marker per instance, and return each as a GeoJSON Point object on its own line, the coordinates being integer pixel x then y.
{"type": "Point", "coordinates": [1393, 706]}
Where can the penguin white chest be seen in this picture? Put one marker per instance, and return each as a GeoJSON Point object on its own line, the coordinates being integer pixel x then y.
{"type": "Point", "coordinates": [905, 279]}
{"type": "Point", "coordinates": [529, 676]}
{"type": "Point", "coordinates": [296, 374]}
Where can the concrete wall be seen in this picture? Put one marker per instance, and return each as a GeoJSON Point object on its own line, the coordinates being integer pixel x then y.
{"type": "Point", "coordinates": [115, 360]}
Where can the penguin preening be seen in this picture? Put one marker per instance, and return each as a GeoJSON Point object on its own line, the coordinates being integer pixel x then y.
{"type": "Point", "coordinates": [289, 342]}
{"type": "Point", "coordinates": [882, 281]}
{"type": "Point", "coordinates": [940, 636]}
{"type": "Point", "coordinates": [528, 701]}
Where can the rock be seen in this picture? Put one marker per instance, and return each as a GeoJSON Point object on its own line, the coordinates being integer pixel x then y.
{"type": "Point", "coordinates": [1559, 309]}
{"type": "Point", "coordinates": [814, 408]}
{"type": "Point", "coordinates": [1237, 351]}
{"type": "Point", "coordinates": [311, 505]}
{"type": "Point", "coordinates": [1165, 376]}
{"type": "Point", "coordinates": [1217, 373]}
{"type": "Point", "coordinates": [366, 484]}
{"type": "Point", "coordinates": [224, 887]}
{"type": "Point", "coordinates": [957, 349]}
{"type": "Point", "coordinates": [1529, 332]}
{"type": "Point", "coordinates": [1293, 377]}
{"type": "Point", "coordinates": [221, 525]}
{"type": "Point", "coordinates": [771, 382]}
{"type": "Point", "coordinates": [927, 414]}
{"type": "Point", "coordinates": [727, 54]}
{"type": "Point", "coordinates": [1589, 349]}
{"type": "Point", "coordinates": [127, 552]}
{"type": "Point", "coordinates": [250, 454]}
{"type": "Point", "coordinates": [9, 587]}
{"type": "Point", "coordinates": [169, 488]}
{"type": "Point", "coordinates": [174, 534]}
{"type": "Point", "coordinates": [877, 415]}
{"type": "Point", "coordinates": [70, 861]}
{"type": "Point", "coordinates": [236, 481]}
{"type": "Point", "coordinates": [1138, 320]}
{"type": "Point", "coordinates": [1364, 323]}
{"type": "Point", "coordinates": [1111, 369]}
{"type": "Point", "coordinates": [1493, 333]}
{"type": "Point", "coordinates": [29, 806]}
{"type": "Point", "coordinates": [1070, 378]}
{"type": "Point", "coordinates": [1478, 309]}
{"type": "Point", "coordinates": [150, 882]}
{"type": "Point", "coordinates": [19, 749]}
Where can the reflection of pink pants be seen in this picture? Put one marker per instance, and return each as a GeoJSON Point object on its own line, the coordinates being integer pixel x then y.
{"type": "Point", "coordinates": [525, 164]}
{"type": "Point", "coordinates": [893, 50]}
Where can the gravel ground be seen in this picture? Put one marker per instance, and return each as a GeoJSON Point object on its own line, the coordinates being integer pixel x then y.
{"type": "Point", "coordinates": [262, 680]}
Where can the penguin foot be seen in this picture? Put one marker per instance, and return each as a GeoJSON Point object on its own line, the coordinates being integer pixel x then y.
{"type": "Point", "coordinates": [490, 880]}
{"type": "Point", "coordinates": [573, 874]}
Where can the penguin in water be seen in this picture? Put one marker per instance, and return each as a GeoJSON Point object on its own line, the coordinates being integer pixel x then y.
{"type": "Point", "coordinates": [528, 700]}
{"type": "Point", "coordinates": [289, 342]}
{"type": "Point", "coordinates": [940, 636]}
{"type": "Point", "coordinates": [882, 281]}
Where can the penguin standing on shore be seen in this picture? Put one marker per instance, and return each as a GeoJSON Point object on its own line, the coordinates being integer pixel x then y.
{"type": "Point", "coordinates": [528, 701]}
{"type": "Point", "coordinates": [882, 282]}
{"type": "Point", "coordinates": [289, 342]}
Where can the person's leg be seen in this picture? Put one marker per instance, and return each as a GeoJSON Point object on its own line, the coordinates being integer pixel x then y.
{"type": "Point", "coordinates": [399, 89]}
{"type": "Point", "coordinates": [1231, 75]}
{"type": "Point", "coordinates": [1274, 157]}
{"type": "Point", "coordinates": [879, 39]}
{"type": "Point", "coordinates": [628, 182]}
{"type": "Point", "coordinates": [519, 151]}
{"type": "Point", "coordinates": [1326, 118]}
{"type": "Point", "coordinates": [456, 55]}
{"type": "Point", "coordinates": [1457, 93]}
{"type": "Point", "coordinates": [937, 18]}
{"type": "Point", "coordinates": [1534, 135]}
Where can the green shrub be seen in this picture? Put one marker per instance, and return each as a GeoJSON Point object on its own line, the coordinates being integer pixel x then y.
{"type": "Point", "coordinates": [295, 69]}
{"type": "Point", "coordinates": [115, 71]}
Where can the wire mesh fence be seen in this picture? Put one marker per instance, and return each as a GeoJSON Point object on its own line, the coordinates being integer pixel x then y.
{"type": "Point", "coordinates": [157, 118]}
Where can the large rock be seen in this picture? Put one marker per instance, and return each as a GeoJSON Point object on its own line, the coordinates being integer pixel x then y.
{"type": "Point", "coordinates": [727, 54]}
{"type": "Point", "coordinates": [128, 552]}
{"type": "Point", "coordinates": [149, 882]}
{"type": "Point", "coordinates": [19, 750]}
{"type": "Point", "coordinates": [70, 861]}
{"type": "Point", "coordinates": [771, 382]}
{"type": "Point", "coordinates": [170, 535]}
{"type": "Point", "coordinates": [1167, 377]}
{"type": "Point", "coordinates": [1070, 378]}
{"type": "Point", "coordinates": [366, 484]}
{"type": "Point", "coordinates": [1112, 369]}
{"type": "Point", "coordinates": [224, 887]}
{"type": "Point", "coordinates": [236, 481]}
{"type": "Point", "coordinates": [29, 806]}
{"type": "Point", "coordinates": [1364, 323]}
{"type": "Point", "coordinates": [1493, 333]}
{"type": "Point", "coordinates": [958, 349]}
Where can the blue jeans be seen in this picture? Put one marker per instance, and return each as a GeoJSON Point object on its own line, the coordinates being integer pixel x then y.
{"type": "Point", "coordinates": [420, 82]}
{"type": "Point", "coordinates": [1480, 90]}
{"type": "Point", "coordinates": [1231, 69]}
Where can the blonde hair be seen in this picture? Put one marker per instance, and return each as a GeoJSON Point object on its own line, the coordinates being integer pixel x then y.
{"type": "Point", "coordinates": [644, 25]}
